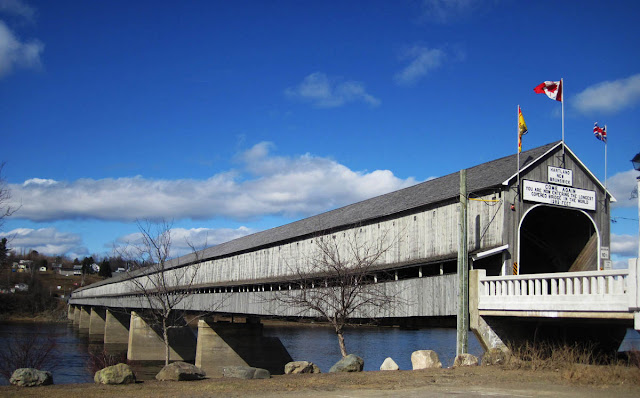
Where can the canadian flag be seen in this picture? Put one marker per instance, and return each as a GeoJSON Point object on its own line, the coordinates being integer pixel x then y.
{"type": "Point", "coordinates": [552, 89]}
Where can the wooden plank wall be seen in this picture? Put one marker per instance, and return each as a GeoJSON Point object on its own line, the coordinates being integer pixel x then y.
{"type": "Point", "coordinates": [429, 296]}
{"type": "Point", "coordinates": [415, 238]}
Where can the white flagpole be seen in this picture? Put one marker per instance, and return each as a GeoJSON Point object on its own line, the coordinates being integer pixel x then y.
{"type": "Point", "coordinates": [606, 140]}
{"type": "Point", "coordinates": [562, 98]}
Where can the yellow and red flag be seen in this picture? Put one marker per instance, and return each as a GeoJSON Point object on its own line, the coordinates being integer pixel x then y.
{"type": "Point", "coordinates": [522, 129]}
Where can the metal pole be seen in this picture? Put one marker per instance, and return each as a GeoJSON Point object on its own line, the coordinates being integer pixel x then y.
{"type": "Point", "coordinates": [463, 272]}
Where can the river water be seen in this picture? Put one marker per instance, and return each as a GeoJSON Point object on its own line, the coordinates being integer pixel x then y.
{"type": "Point", "coordinates": [310, 343]}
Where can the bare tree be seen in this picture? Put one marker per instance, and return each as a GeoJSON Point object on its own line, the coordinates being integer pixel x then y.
{"type": "Point", "coordinates": [339, 281]}
{"type": "Point", "coordinates": [6, 208]}
{"type": "Point", "coordinates": [163, 289]}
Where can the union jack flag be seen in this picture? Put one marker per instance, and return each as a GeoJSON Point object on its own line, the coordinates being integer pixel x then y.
{"type": "Point", "coordinates": [600, 132]}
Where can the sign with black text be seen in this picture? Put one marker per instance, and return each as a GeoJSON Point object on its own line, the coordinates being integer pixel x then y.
{"type": "Point", "coordinates": [557, 175]}
{"type": "Point", "coordinates": [558, 195]}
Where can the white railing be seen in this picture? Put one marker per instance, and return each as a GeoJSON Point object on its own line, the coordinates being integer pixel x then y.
{"type": "Point", "coordinates": [602, 291]}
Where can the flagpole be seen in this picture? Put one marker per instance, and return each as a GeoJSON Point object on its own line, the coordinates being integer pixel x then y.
{"type": "Point", "coordinates": [514, 267]}
{"type": "Point", "coordinates": [562, 101]}
{"type": "Point", "coordinates": [605, 161]}
{"type": "Point", "coordinates": [519, 147]}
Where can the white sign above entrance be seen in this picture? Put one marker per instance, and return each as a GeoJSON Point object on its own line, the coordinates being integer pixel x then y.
{"type": "Point", "coordinates": [558, 195]}
{"type": "Point", "coordinates": [556, 175]}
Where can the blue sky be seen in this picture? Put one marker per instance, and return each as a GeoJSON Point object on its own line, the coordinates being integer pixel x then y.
{"type": "Point", "coordinates": [234, 117]}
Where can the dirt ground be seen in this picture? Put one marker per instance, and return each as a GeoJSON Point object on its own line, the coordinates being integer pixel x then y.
{"type": "Point", "coordinates": [468, 382]}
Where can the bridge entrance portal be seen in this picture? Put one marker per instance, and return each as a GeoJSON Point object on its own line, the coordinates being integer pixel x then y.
{"type": "Point", "coordinates": [554, 239]}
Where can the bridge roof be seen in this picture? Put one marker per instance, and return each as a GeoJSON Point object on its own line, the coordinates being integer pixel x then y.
{"type": "Point", "coordinates": [485, 176]}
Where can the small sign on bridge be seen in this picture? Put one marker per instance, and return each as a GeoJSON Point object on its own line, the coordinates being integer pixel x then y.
{"type": "Point", "coordinates": [557, 175]}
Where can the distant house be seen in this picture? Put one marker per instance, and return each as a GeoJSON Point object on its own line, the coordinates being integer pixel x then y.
{"type": "Point", "coordinates": [77, 270]}
{"type": "Point", "coordinates": [43, 269]}
{"type": "Point", "coordinates": [66, 271]}
{"type": "Point", "coordinates": [23, 265]}
{"type": "Point", "coordinates": [56, 268]}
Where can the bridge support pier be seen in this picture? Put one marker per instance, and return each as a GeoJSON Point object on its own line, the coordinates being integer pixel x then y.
{"type": "Point", "coordinates": [146, 343]}
{"type": "Point", "coordinates": [222, 344]}
{"type": "Point", "coordinates": [96, 324]}
{"type": "Point", "coordinates": [70, 312]}
{"type": "Point", "coordinates": [487, 337]}
{"type": "Point", "coordinates": [85, 318]}
{"type": "Point", "coordinates": [76, 316]}
{"type": "Point", "coordinates": [116, 331]}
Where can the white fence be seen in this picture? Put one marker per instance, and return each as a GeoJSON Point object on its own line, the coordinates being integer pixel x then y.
{"type": "Point", "coordinates": [591, 291]}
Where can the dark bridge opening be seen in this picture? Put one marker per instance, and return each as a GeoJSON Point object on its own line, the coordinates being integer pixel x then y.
{"type": "Point", "coordinates": [554, 239]}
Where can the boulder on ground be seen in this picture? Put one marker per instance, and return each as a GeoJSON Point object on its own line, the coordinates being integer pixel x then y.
{"type": "Point", "coordinates": [245, 372]}
{"type": "Point", "coordinates": [425, 359]}
{"type": "Point", "coordinates": [350, 363]}
{"type": "Point", "coordinates": [494, 356]}
{"type": "Point", "coordinates": [116, 374]}
{"type": "Point", "coordinates": [30, 377]}
{"type": "Point", "coordinates": [389, 364]}
{"type": "Point", "coordinates": [180, 371]}
{"type": "Point", "coordinates": [296, 367]}
{"type": "Point", "coordinates": [465, 360]}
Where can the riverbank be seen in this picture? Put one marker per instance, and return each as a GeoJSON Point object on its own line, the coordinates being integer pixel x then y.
{"type": "Point", "coordinates": [579, 382]}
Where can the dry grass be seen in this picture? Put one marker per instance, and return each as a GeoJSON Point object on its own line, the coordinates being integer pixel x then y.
{"type": "Point", "coordinates": [576, 363]}
{"type": "Point", "coordinates": [433, 382]}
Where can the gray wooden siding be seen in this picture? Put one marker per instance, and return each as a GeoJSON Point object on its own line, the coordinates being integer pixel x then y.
{"type": "Point", "coordinates": [415, 238]}
{"type": "Point", "coordinates": [433, 296]}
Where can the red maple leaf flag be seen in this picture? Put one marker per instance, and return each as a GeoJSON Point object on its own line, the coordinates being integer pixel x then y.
{"type": "Point", "coordinates": [552, 89]}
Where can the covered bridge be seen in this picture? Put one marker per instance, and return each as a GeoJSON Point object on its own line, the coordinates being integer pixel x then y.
{"type": "Point", "coordinates": [558, 221]}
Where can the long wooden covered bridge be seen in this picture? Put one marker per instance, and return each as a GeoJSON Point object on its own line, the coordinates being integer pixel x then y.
{"type": "Point", "coordinates": [530, 222]}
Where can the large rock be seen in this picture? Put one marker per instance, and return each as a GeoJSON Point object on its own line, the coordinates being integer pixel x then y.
{"type": "Point", "coordinates": [296, 367]}
{"type": "Point", "coordinates": [389, 364]}
{"type": "Point", "coordinates": [30, 377]}
{"type": "Point", "coordinates": [425, 359]}
{"type": "Point", "coordinates": [350, 363]}
{"type": "Point", "coordinates": [116, 374]}
{"type": "Point", "coordinates": [465, 360]}
{"type": "Point", "coordinates": [245, 372]}
{"type": "Point", "coordinates": [180, 371]}
{"type": "Point", "coordinates": [494, 356]}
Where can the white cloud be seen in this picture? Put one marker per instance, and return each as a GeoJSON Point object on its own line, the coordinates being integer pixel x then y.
{"type": "Point", "coordinates": [318, 89]}
{"type": "Point", "coordinates": [47, 241]}
{"type": "Point", "coordinates": [17, 8]}
{"type": "Point", "coordinates": [621, 185]}
{"type": "Point", "coordinates": [16, 54]}
{"type": "Point", "coordinates": [609, 96]}
{"type": "Point", "coordinates": [624, 245]}
{"type": "Point", "coordinates": [39, 181]}
{"type": "Point", "coordinates": [265, 185]}
{"type": "Point", "coordinates": [444, 11]}
{"type": "Point", "coordinates": [422, 60]}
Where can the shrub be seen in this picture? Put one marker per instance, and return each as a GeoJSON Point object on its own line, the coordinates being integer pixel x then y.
{"type": "Point", "coordinates": [32, 350]}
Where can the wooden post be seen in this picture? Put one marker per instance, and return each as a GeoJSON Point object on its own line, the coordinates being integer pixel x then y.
{"type": "Point", "coordinates": [462, 336]}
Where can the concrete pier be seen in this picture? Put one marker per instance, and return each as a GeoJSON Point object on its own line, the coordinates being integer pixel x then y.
{"type": "Point", "coordinates": [116, 331]}
{"type": "Point", "coordinates": [96, 324]}
{"type": "Point", "coordinates": [85, 318]}
{"type": "Point", "coordinates": [146, 342]}
{"type": "Point", "coordinates": [223, 344]}
{"type": "Point", "coordinates": [76, 316]}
